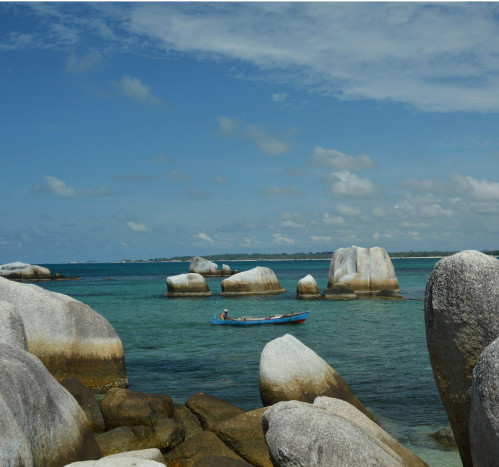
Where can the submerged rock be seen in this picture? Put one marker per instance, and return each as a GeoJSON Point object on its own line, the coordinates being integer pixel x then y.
{"type": "Point", "coordinates": [204, 267]}
{"type": "Point", "coordinates": [256, 281]}
{"type": "Point", "coordinates": [445, 436]}
{"type": "Point", "coordinates": [289, 370]}
{"type": "Point", "coordinates": [462, 319]}
{"type": "Point", "coordinates": [307, 288]}
{"type": "Point", "coordinates": [29, 272]}
{"type": "Point", "coordinates": [187, 285]}
{"type": "Point", "coordinates": [366, 271]}
{"type": "Point", "coordinates": [70, 338]}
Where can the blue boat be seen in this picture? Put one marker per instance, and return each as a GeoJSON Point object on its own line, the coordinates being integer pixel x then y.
{"type": "Point", "coordinates": [292, 318]}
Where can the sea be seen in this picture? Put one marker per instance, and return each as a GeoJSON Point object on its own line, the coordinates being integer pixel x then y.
{"type": "Point", "coordinates": [377, 346]}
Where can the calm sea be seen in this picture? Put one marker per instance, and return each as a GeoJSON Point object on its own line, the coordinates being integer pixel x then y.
{"type": "Point", "coordinates": [378, 347]}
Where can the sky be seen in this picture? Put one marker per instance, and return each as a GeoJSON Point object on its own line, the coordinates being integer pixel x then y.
{"type": "Point", "coordinates": [147, 130]}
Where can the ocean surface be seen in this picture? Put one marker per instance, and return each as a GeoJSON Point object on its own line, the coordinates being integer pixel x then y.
{"type": "Point", "coordinates": [378, 347]}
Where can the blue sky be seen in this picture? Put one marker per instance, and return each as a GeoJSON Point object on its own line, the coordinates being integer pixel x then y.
{"type": "Point", "coordinates": [143, 130]}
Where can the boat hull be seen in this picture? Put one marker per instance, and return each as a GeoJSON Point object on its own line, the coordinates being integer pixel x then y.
{"type": "Point", "coordinates": [295, 318]}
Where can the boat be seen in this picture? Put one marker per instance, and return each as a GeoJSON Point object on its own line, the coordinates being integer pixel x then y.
{"type": "Point", "coordinates": [292, 318]}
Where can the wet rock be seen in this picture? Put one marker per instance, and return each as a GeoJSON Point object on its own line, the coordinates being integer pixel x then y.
{"type": "Point", "coordinates": [289, 370]}
{"type": "Point", "coordinates": [445, 436]}
{"type": "Point", "coordinates": [187, 285]}
{"type": "Point", "coordinates": [211, 410]}
{"type": "Point", "coordinates": [141, 458]}
{"type": "Point", "coordinates": [122, 407]}
{"type": "Point", "coordinates": [244, 435]}
{"type": "Point", "coordinates": [70, 338]}
{"type": "Point", "coordinates": [41, 423]}
{"type": "Point", "coordinates": [12, 326]}
{"type": "Point", "coordinates": [188, 420]}
{"type": "Point", "coordinates": [307, 288]}
{"type": "Point", "coordinates": [339, 292]}
{"type": "Point", "coordinates": [462, 319]}
{"type": "Point", "coordinates": [256, 281]}
{"type": "Point", "coordinates": [204, 267]}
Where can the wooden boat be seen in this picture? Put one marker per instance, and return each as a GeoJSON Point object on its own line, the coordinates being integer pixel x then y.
{"type": "Point", "coordinates": [292, 318]}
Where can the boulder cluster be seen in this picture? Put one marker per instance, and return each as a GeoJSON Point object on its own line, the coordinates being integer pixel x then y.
{"type": "Point", "coordinates": [30, 272]}
{"type": "Point", "coordinates": [208, 268]}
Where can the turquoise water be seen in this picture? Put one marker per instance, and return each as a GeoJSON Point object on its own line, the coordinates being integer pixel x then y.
{"type": "Point", "coordinates": [378, 347]}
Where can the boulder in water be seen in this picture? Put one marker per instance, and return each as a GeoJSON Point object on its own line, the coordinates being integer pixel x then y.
{"type": "Point", "coordinates": [307, 288]}
{"type": "Point", "coordinates": [187, 285]}
{"type": "Point", "coordinates": [204, 267]}
{"type": "Point", "coordinates": [256, 281]}
{"type": "Point", "coordinates": [29, 272]}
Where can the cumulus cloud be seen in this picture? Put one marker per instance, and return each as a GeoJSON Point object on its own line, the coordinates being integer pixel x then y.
{"type": "Point", "coordinates": [348, 210]}
{"type": "Point", "coordinates": [82, 63]}
{"type": "Point", "coordinates": [434, 210]}
{"type": "Point", "coordinates": [281, 191]}
{"type": "Point", "coordinates": [280, 239]}
{"type": "Point", "coordinates": [348, 184]}
{"type": "Point", "coordinates": [203, 236]}
{"type": "Point", "coordinates": [319, 238]}
{"type": "Point", "coordinates": [338, 160]}
{"type": "Point", "coordinates": [333, 220]}
{"type": "Point", "coordinates": [57, 187]}
{"type": "Point", "coordinates": [134, 89]}
{"type": "Point", "coordinates": [483, 190]}
{"type": "Point", "coordinates": [137, 227]}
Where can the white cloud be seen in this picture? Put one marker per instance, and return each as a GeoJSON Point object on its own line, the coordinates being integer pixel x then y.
{"type": "Point", "coordinates": [282, 240]}
{"type": "Point", "coordinates": [134, 89]}
{"type": "Point", "coordinates": [348, 210]}
{"type": "Point", "coordinates": [58, 187]}
{"type": "Point", "coordinates": [279, 97]}
{"type": "Point", "coordinates": [425, 185]}
{"type": "Point", "coordinates": [281, 191]}
{"type": "Point", "coordinates": [203, 236]}
{"type": "Point", "coordinates": [434, 211]}
{"type": "Point", "coordinates": [137, 227]}
{"type": "Point", "coordinates": [82, 63]}
{"type": "Point", "coordinates": [316, 238]}
{"type": "Point", "coordinates": [335, 220]}
{"type": "Point", "coordinates": [347, 184]}
{"type": "Point", "coordinates": [338, 160]}
{"type": "Point", "coordinates": [483, 190]}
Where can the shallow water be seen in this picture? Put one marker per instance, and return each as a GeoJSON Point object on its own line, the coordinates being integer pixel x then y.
{"type": "Point", "coordinates": [378, 347]}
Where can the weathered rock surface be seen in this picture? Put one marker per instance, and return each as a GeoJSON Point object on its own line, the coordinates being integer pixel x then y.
{"type": "Point", "coordinates": [445, 436]}
{"type": "Point", "coordinates": [187, 285]}
{"type": "Point", "coordinates": [307, 288]}
{"type": "Point", "coordinates": [339, 292]}
{"type": "Point", "coordinates": [12, 327]}
{"type": "Point", "coordinates": [190, 422]}
{"type": "Point", "coordinates": [211, 410]}
{"type": "Point", "coordinates": [364, 270]}
{"type": "Point", "coordinates": [202, 445]}
{"type": "Point", "coordinates": [29, 272]}
{"type": "Point", "coordinates": [462, 319]}
{"type": "Point", "coordinates": [204, 267]}
{"type": "Point", "coordinates": [226, 270]}
{"type": "Point", "coordinates": [122, 407]}
{"type": "Point", "coordinates": [87, 402]}
{"type": "Point", "coordinates": [326, 437]}
{"type": "Point", "coordinates": [70, 338]}
{"type": "Point", "coordinates": [256, 281]}
{"type": "Point", "coordinates": [141, 458]}
{"type": "Point", "coordinates": [244, 435]}
{"type": "Point", "coordinates": [289, 370]}
{"type": "Point", "coordinates": [484, 415]}
{"type": "Point", "coordinates": [41, 423]}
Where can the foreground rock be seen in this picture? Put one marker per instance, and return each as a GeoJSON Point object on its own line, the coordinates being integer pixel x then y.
{"type": "Point", "coordinates": [289, 370]}
{"type": "Point", "coordinates": [256, 281]}
{"type": "Point", "coordinates": [29, 272]}
{"type": "Point", "coordinates": [189, 422]}
{"type": "Point", "coordinates": [187, 285]}
{"type": "Point", "coordinates": [484, 415]}
{"type": "Point", "coordinates": [331, 432]}
{"type": "Point", "coordinates": [69, 337]}
{"type": "Point", "coordinates": [204, 267]}
{"type": "Point", "coordinates": [366, 271]}
{"type": "Point", "coordinates": [12, 327]}
{"type": "Point", "coordinates": [307, 288]}
{"type": "Point", "coordinates": [140, 458]}
{"type": "Point", "coordinates": [41, 423]}
{"type": "Point", "coordinates": [211, 410]}
{"type": "Point", "coordinates": [462, 319]}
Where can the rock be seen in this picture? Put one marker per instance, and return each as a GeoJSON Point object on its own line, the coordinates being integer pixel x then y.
{"type": "Point", "coordinates": [389, 295]}
{"type": "Point", "coordinates": [204, 267]}
{"type": "Point", "coordinates": [307, 288]}
{"type": "Point", "coordinates": [190, 423]}
{"type": "Point", "coordinates": [258, 280]}
{"type": "Point", "coordinates": [244, 435]}
{"type": "Point", "coordinates": [164, 434]}
{"type": "Point", "coordinates": [462, 319]}
{"type": "Point", "coordinates": [484, 415]}
{"type": "Point", "coordinates": [41, 423]}
{"type": "Point", "coordinates": [187, 285]}
{"type": "Point", "coordinates": [141, 458]}
{"type": "Point", "coordinates": [327, 438]}
{"type": "Point", "coordinates": [289, 370]}
{"type": "Point", "coordinates": [226, 270]}
{"type": "Point", "coordinates": [202, 445]}
{"type": "Point", "coordinates": [220, 461]}
{"type": "Point", "coordinates": [87, 402]}
{"type": "Point", "coordinates": [445, 436]}
{"type": "Point", "coordinates": [339, 292]}
{"type": "Point", "coordinates": [29, 272]}
{"type": "Point", "coordinates": [211, 410]}
{"type": "Point", "coordinates": [122, 407]}
{"type": "Point", "coordinates": [364, 270]}
{"type": "Point", "coordinates": [12, 326]}
{"type": "Point", "coordinates": [70, 338]}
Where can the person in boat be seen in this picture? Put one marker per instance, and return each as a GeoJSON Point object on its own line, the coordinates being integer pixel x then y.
{"type": "Point", "coordinates": [225, 314]}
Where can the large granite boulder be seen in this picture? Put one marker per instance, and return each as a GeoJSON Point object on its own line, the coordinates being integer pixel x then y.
{"type": "Point", "coordinates": [307, 288]}
{"type": "Point", "coordinates": [289, 370]}
{"type": "Point", "coordinates": [41, 423]}
{"type": "Point", "coordinates": [211, 410]}
{"type": "Point", "coordinates": [226, 270]}
{"type": "Point", "coordinates": [331, 432]}
{"type": "Point", "coordinates": [256, 281]}
{"type": "Point", "coordinates": [186, 418]}
{"type": "Point", "coordinates": [366, 271]}
{"type": "Point", "coordinates": [187, 285]}
{"type": "Point", "coordinates": [462, 319]}
{"type": "Point", "coordinates": [12, 327]}
{"type": "Point", "coordinates": [140, 458]}
{"type": "Point", "coordinates": [204, 267]}
{"type": "Point", "coordinates": [484, 415]}
{"type": "Point", "coordinates": [29, 272]}
{"type": "Point", "coordinates": [70, 338]}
